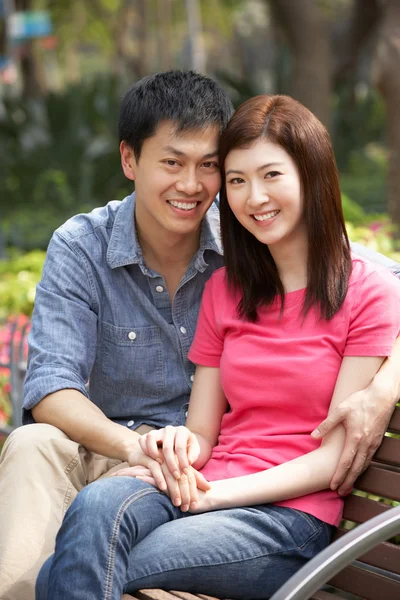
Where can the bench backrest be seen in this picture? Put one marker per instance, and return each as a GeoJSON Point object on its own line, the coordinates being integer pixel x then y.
{"type": "Point", "coordinates": [376, 576]}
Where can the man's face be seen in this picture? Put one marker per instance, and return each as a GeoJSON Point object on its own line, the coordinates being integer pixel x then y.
{"type": "Point", "coordinates": [176, 178]}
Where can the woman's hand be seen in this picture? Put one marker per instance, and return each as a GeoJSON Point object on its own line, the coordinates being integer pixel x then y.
{"type": "Point", "coordinates": [183, 492]}
{"type": "Point", "coordinates": [176, 446]}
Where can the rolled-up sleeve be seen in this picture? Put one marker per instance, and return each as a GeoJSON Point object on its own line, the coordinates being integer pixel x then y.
{"type": "Point", "coordinates": [63, 338]}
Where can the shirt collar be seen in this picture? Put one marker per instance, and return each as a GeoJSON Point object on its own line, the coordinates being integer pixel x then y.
{"type": "Point", "coordinates": [124, 248]}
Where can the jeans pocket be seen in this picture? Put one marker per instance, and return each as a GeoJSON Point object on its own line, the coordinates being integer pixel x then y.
{"type": "Point", "coordinates": [306, 528]}
{"type": "Point", "coordinates": [132, 361]}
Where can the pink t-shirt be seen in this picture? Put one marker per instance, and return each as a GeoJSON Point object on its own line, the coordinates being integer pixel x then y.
{"type": "Point", "coordinates": [278, 374]}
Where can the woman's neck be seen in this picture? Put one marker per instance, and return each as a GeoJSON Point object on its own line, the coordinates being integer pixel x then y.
{"type": "Point", "coordinates": [292, 263]}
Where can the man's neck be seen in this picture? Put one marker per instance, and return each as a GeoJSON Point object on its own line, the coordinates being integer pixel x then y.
{"type": "Point", "coordinates": [167, 250]}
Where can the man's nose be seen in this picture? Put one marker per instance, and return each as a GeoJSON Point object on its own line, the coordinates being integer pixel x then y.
{"type": "Point", "coordinates": [189, 183]}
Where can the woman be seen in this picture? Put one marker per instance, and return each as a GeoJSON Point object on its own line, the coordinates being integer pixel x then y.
{"type": "Point", "coordinates": [286, 331]}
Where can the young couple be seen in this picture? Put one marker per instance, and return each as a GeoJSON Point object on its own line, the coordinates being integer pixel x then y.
{"type": "Point", "coordinates": [292, 328]}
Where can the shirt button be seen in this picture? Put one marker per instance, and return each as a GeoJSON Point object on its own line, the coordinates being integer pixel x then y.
{"type": "Point", "coordinates": [192, 378]}
{"type": "Point", "coordinates": [130, 423]}
{"type": "Point", "coordinates": [186, 413]}
{"type": "Point", "coordinates": [182, 329]}
{"type": "Point", "coordinates": [159, 288]}
{"type": "Point", "coordinates": [132, 335]}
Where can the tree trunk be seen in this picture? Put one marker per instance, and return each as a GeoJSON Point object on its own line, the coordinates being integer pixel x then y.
{"type": "Point", "coordinates": [307, 33]}
{"type": "Point", "coordinates": [387, 77]}
{"type": "Point", "coordinates": [197, 53]}
{"type": "Point", "coordinates": [32, 78]}
{"type": "Point", "coordinates": [164, 34]}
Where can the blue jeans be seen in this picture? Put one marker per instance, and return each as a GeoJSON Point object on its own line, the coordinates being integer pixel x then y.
{"type": "Point", "coordinates": [121, 535]}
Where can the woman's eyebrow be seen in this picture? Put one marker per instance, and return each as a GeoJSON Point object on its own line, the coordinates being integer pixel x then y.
{"type": "Point", "coordinates": [270, 164]}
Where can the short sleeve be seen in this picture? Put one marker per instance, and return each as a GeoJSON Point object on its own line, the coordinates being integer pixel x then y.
{"type": "Point", "coordinates": [208, 341]}
{"type": "Point", "coordinates": [375, 316]}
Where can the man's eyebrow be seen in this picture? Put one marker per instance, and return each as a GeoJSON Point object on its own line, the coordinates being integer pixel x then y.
{"type": "Point", "coordinates": [266, 166]}
{"type": "Point", "coordinates": [180, 153]}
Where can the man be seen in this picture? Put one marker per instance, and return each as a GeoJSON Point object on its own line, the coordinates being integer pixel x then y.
{"type": "Point", "coordinates": [117, 306]}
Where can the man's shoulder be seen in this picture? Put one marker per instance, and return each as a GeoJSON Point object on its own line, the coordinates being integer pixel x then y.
{"type": "Point", "coordinates": [82, 225]}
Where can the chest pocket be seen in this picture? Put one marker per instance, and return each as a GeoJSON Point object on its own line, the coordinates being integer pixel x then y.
{"type": "Point", "coordinates": [132, 361]}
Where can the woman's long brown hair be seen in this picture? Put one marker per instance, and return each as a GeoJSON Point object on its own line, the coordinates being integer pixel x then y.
{"type": "Point", "coordinates": [249, 264]}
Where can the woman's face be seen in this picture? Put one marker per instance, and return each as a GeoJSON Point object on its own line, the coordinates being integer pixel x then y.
{"type": "Point", "coordinates": [264, 192]}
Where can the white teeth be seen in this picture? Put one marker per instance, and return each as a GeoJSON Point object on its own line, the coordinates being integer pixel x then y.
{"type": "Point", "coordinates": [183, 205]}
{"type": "Point", "coordinates": [266, 216]}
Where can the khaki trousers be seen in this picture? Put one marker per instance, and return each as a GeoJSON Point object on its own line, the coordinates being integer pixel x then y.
{"type": "Point", "coordinates": [41, 472]}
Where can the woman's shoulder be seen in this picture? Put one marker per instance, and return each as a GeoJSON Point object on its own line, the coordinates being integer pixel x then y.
{"type": "Point", "coordinates": [218, 280]}
{"type": "Point", "coordinates": [366, 273]}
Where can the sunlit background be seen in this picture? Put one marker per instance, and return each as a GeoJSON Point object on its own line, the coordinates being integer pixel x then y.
{"type": "Point", "coordinates": [65, 63]}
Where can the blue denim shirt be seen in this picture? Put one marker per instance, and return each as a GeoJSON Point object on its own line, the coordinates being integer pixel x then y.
{"type": "Point", "coordinates": [101, 315]}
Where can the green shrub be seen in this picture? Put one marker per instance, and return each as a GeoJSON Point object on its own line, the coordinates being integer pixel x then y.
{"type": "Point", "coordinates": [19, 276]}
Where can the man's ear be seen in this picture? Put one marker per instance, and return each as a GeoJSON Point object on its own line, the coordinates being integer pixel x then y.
{"type": "Point", "coordinates": [128, 161]}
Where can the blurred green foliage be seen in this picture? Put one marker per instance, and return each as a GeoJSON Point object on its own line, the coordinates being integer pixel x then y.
{"type": "Point", "coordinates": [58, 156]}
{"type": "Point", "coordinates": [19, 276]}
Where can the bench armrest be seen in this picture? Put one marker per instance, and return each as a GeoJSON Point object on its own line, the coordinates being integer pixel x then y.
{"type": "Point", "coordinates": [337, 555]}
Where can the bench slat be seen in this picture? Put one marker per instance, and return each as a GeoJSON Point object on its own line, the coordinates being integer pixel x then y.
{"type": "Point", "coordinates": [383, 483]}
{"type": "Point", "coordinates": [322, 595]}
{"type": "Point", "coordinates": [366, 584]}
{"type": "Point", "coordinates": [389, 451]}
{"type": "Point", "coordinates": [394, 425]}
{"type": "Point", "coordinates": [360, 509]}
{"type": "Point", "coordinates": [384, 555]}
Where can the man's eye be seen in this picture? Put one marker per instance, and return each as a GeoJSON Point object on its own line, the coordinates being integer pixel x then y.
{"type": "Point", "coordinates": [210, 165]}
{"type": "Point", "coordinates": [170, 162]}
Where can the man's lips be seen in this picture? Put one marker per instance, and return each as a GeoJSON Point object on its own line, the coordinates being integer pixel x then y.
{"type": "Point", "coordinates": [184, 204]}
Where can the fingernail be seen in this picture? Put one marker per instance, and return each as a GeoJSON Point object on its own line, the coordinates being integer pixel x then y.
{"type": "Point", "coordinates": [184, 507]}
{"type": "Point", "coordinates": [176, 474]}
{"type": "Point", "coordinates": [193, 505]}
{"type": "Point", "coordinates": [186, 470]}
{"type": "Point", "coordinates": [177, 501]}
{"type": "Point", "coordinates": [344, 493]}
{"type": "Point", "coordinates": [160, 462]}
{"type": "Point", "coordinates": [315, 434]}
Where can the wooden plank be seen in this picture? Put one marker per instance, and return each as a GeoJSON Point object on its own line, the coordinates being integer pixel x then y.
{"type": "Point", "coordinates": [394, 425]}
{"type": "Point", "coordinates": [184, 595]}
{"type": "Point", "coordinates": [384, 555]}
{"type": "Point", "coordinates": [153, 594]}
{"type": "Point", "coordinates": [360, 509]}
{"type": "Point", "coordinates": [368, 585]}
{"type": "Point", "coordinates": [322, 595]}
{"type": "Point", "coordinates": [389, 451]}
{"type": "Point", "coordinates": [380, 482]}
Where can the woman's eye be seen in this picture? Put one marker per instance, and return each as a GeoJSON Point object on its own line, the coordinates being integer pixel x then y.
{"type": "Point", "coordinates": [272, 174]}
{"type": "Point", "coordinates": [236, 180]}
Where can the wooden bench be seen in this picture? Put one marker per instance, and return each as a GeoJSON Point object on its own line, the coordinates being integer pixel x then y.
{"type": "Point", "coordinates": [375, 575]}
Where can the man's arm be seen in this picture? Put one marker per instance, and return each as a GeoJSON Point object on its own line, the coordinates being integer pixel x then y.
{"type": "Point", "coordinates": [62, 350]}
{"type": "Point", "coordinates": [82, 421]}
{"type": "Point", "coordinates": [365, 416]}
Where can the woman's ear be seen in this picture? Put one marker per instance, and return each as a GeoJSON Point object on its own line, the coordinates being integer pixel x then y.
{"type": "Point", "coordinates": [128, 161]}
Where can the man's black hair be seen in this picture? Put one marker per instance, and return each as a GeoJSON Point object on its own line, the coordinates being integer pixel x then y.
{"type": "Point", "coordinates": [188, 99]}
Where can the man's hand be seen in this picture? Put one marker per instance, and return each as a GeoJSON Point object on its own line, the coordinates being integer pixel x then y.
{"type": "Point", "coordinates": [365, 416]}
{"type": "Point", "coordinates": [137, 459]}
{"type": "Point", "coordinates": [177, 446]}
